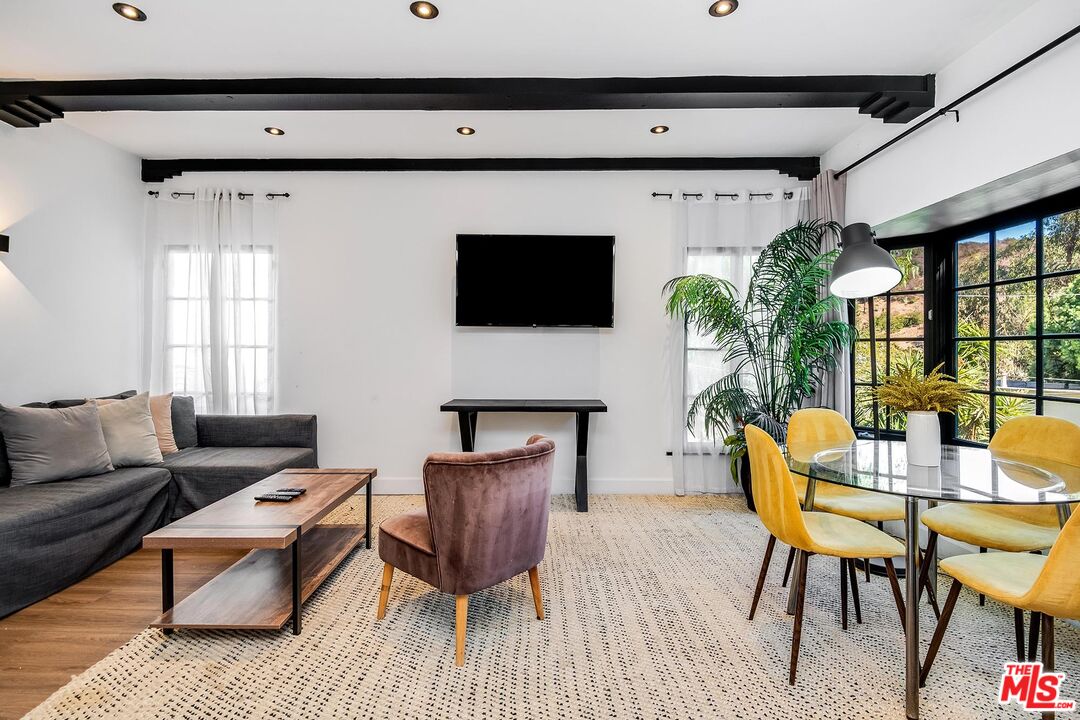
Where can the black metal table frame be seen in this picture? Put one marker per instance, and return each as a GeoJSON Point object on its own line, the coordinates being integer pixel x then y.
{"type": "Point", "coordinates": [167, 583]}
{"type": "Point", "coordinates": [467, 411]}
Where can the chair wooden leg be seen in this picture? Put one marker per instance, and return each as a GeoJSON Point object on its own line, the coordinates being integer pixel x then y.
{"type": "Point", "coordinates": [1047, 651]}
{"type": "Point", "coordinates": [855, 592]}
{"type": "Point", "coordinates": [384, 590]}
{"type": "Point", "coordinates": [843, 593]}
{"type": "Point", "coordinates": [929, 558]}
{"type": "Point", "coordinates": [1033, 636]}
{"type": "Point", "coordinates": [538, 600]}
{"type": "Point", "coordinates": [982, 598]}
{"type": "Point", "coordinates": [939, 631]}
{"type": "Point", "coordinates": [1018, 621]}
{"type": "Point", "coordinates": [787, 568]}
{"type": "Point", "coordinates": [461, 618]}
{"type": "Point", "coordinates": [866, 567]}
{"type": "Point", "coordinates": [796, 633]}
{"type": "Point", "coordinates": [761, 575]}
{"type": "Point", "coordinates": [890, 570]}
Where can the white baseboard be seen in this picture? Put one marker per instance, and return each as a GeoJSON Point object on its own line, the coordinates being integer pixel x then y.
{"type": "Point", "coordinates": [597, 486]}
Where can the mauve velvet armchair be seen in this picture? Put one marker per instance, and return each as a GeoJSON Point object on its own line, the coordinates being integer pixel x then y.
{"type": "Point", "coordinates": [485, 522]}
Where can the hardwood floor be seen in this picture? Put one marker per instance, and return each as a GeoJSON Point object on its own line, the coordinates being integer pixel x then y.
{"type": "Point", "coordinates": [43, 645]}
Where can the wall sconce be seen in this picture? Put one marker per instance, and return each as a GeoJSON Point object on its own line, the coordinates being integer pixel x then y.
{"type": "Point", "coordinates": [5, 241]}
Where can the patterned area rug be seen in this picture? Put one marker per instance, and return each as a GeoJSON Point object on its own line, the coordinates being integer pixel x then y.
{"type": "Point", "coordinates": [646, 601]}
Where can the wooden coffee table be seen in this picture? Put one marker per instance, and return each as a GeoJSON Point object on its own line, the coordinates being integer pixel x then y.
{"type": "Point", "coordinates": [265, 588]}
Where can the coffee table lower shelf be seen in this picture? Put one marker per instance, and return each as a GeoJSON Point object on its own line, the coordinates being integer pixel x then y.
{"type": "Point", "coordinates": [256, 592]}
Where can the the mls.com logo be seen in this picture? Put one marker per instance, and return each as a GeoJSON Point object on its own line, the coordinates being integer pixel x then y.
{"type": "Point", "coordinates": [1033, 689]}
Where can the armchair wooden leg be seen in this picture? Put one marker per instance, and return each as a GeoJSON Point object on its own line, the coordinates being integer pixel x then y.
{"type": "Point", "coordinates": [384, 591]}
{"type": "Point", "coordinates": [939, 631]}
{"type": "Point", "coordinates": [1018, 621]}
{"type": "Point", "coordinates": [1033, 636]}
{"type": "Point", "coordinates": [460, 620]}
{"type": "Point", "coordinates": [761, 575]}
{"type": "Point", "coordinates": [982, 598]}
{"type": "Point", "coordinates": [538, 600]}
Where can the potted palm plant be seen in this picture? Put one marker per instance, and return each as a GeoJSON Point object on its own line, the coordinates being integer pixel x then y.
{"type": "Point", "coordinates": [781, 337]}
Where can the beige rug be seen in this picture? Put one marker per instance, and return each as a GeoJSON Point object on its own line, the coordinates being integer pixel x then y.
{"type": "Point", "coordinates": [646, 603]}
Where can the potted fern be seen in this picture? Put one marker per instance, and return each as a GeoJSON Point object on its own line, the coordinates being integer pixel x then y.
{"type": "Point", "coordinates": [922, 398]}
{"type": "Point", "coordinates": [779, 338]}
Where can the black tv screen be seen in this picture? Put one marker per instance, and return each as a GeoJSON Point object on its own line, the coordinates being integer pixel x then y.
{"type": "Point", "coordinates": [536, 280]}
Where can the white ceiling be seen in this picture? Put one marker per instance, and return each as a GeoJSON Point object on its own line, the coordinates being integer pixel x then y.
{"type": "Point", "coordinates": [588, 133]}
{"type": "Point", "coordinates": [85, 39]}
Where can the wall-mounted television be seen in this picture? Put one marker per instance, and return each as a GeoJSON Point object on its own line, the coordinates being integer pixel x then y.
{"type": "Point", "coordinates": [536, 281]}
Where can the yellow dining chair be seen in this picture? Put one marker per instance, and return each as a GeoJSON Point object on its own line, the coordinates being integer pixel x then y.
{"type": "Point", "coordinates": [819, 427]}
{"type": "Point", "coordinates": [815, 533]}
{"type": "Point", "coordinates": [1048, 587]}
{"type": "Point", "coordinates": [1027, 529]}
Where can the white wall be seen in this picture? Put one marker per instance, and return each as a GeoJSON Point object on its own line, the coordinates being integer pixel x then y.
{"type": "Point", "coordinates": [366, 327]}
{"type": "Point", "coordinates": [69, 297]}
{"type": "Point", "coordinates": [1029, 117]}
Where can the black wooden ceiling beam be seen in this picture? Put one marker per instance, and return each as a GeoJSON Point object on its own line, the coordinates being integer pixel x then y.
{"type": "Point", "coordinates": [803, 168]}
{"type": "Point", "coordinates": [893, 98]}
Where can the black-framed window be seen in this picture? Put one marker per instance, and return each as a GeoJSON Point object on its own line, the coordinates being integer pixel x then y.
{"type": "Point", "coordinates": [1017, 322]}
{"type": "Point", "coordinates": [892, 335]}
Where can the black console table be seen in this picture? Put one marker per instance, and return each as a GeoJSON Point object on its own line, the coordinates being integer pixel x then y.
{"type": "Point", "coordinates": [467, 411]}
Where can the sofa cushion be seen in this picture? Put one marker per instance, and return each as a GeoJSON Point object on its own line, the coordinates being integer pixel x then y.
{"type": "Point", "coordinates": [129, 431]}
{"type": "Point", "coordinates": [204, 475]}
{"type": "Point", "coordinates": [45, 445]}
{"type": "Point", "coordinates": [54, 534]}
{"type": "Point", "coordinates": [185, 431]}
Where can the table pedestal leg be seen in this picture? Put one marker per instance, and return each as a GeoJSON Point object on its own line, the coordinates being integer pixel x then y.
{"type": "Point", "coordinates": [166, 583]}
{"type": "Point", "coordinates": [911, 608]}
{"type": "Point", "coordinates": [367, 515]}
{"type": "Point", "coordinates": [581, 474]}
{"type": "Point", "coordinates": [467, 429]}
{"type": "Point", "coordinates": [297, 575]}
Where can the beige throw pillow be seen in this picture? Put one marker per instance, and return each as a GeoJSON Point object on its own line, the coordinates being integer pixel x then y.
{"type": "Point", "coordinates": [161, 410]}
{"type": "Point", "coordinates": [129, 431]}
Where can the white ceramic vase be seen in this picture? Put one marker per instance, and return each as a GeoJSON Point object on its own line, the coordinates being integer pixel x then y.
{"type": "Point", "coordinates": [923, 438]}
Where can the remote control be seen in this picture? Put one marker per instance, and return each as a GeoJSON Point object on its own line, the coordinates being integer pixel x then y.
{"type": "Point", "coordinates": [292, 491]}
{"type": "Point", "coordinates": [274, 497]}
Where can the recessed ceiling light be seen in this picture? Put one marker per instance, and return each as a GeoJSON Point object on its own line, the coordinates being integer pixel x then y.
{"type": "Point", "coordinates": [424, 10]}
{"type": "Point", "coordinates": [129, 11]}
{"type": "Point", "coordinates": [721, 8]}
{"type": "Point", "coordinates": [659, 129]}
{"type": "Point", "coordinates": [274, 131]}
{"type": "Point", "coordinates": [466, 131]}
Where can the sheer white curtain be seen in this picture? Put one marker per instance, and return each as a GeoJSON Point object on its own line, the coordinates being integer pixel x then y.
{"type": "Point", "coordinates": [827, 201]}
{"type": "Point", "coordinates": [722, 236]}
{"type": "Point", "coordinates": [211, 285]}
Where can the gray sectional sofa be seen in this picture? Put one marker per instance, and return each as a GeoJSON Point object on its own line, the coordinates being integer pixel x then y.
{"type": "Point", "coordinates": [54, 534]}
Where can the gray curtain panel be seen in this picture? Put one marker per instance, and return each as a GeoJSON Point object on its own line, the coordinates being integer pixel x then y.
{"type": "Point", "coordinates": [827, 202]}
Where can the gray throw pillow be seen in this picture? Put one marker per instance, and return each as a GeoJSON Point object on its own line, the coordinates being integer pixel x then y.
{"type": "Point", "coordinates": [128, 426]}
{"type": "Point", "coordinates": [185, 431]}
{"type": "Point", "coordinates": [62, 444]}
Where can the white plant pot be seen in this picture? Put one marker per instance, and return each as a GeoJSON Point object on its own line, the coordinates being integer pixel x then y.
{"type": "Point", "coordinates": [923, 438]}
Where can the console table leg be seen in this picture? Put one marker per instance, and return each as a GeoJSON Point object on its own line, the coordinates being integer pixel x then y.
{"type": "Point", "coordinates": [166, 583]}
{"type": "Point", "coordinates": [467, 428]}
{"type": "Point", "coordinates": [581, 478]}
{"type": "Point", "coordinates": [296, 580]}
{"type": "Point", "coordinates": [367, 511]}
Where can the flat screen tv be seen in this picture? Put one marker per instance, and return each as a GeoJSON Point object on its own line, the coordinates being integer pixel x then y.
{"type": "Point", "coordinates": [536, 281]}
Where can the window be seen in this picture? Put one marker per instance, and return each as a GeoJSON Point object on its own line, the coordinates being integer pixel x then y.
{"type": "Point", "coordinates": [219, 323]}
{"type": "Point", "coordinates": [1017, 322]}
{"type": "Point", "coordinates": [894, 338]}
{"type": "Point", "coordinates": [704, 361]}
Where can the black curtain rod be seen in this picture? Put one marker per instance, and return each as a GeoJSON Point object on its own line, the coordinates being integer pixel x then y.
{"type": "Point", "coordinates": [241, 195]}
{"type": "Point", "coordinates": [951, 107]}
{"type": "Point", "coordinates": [788, 194]}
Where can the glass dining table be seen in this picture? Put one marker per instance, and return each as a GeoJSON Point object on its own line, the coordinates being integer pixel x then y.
{"type": "Point", "coordinates": [966, 474]}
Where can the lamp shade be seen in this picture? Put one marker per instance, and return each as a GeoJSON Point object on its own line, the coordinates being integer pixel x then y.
{"type": "Point", "coordinates": [5, 241]}
{"type": "Point", "coordinates": [863, 269]}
